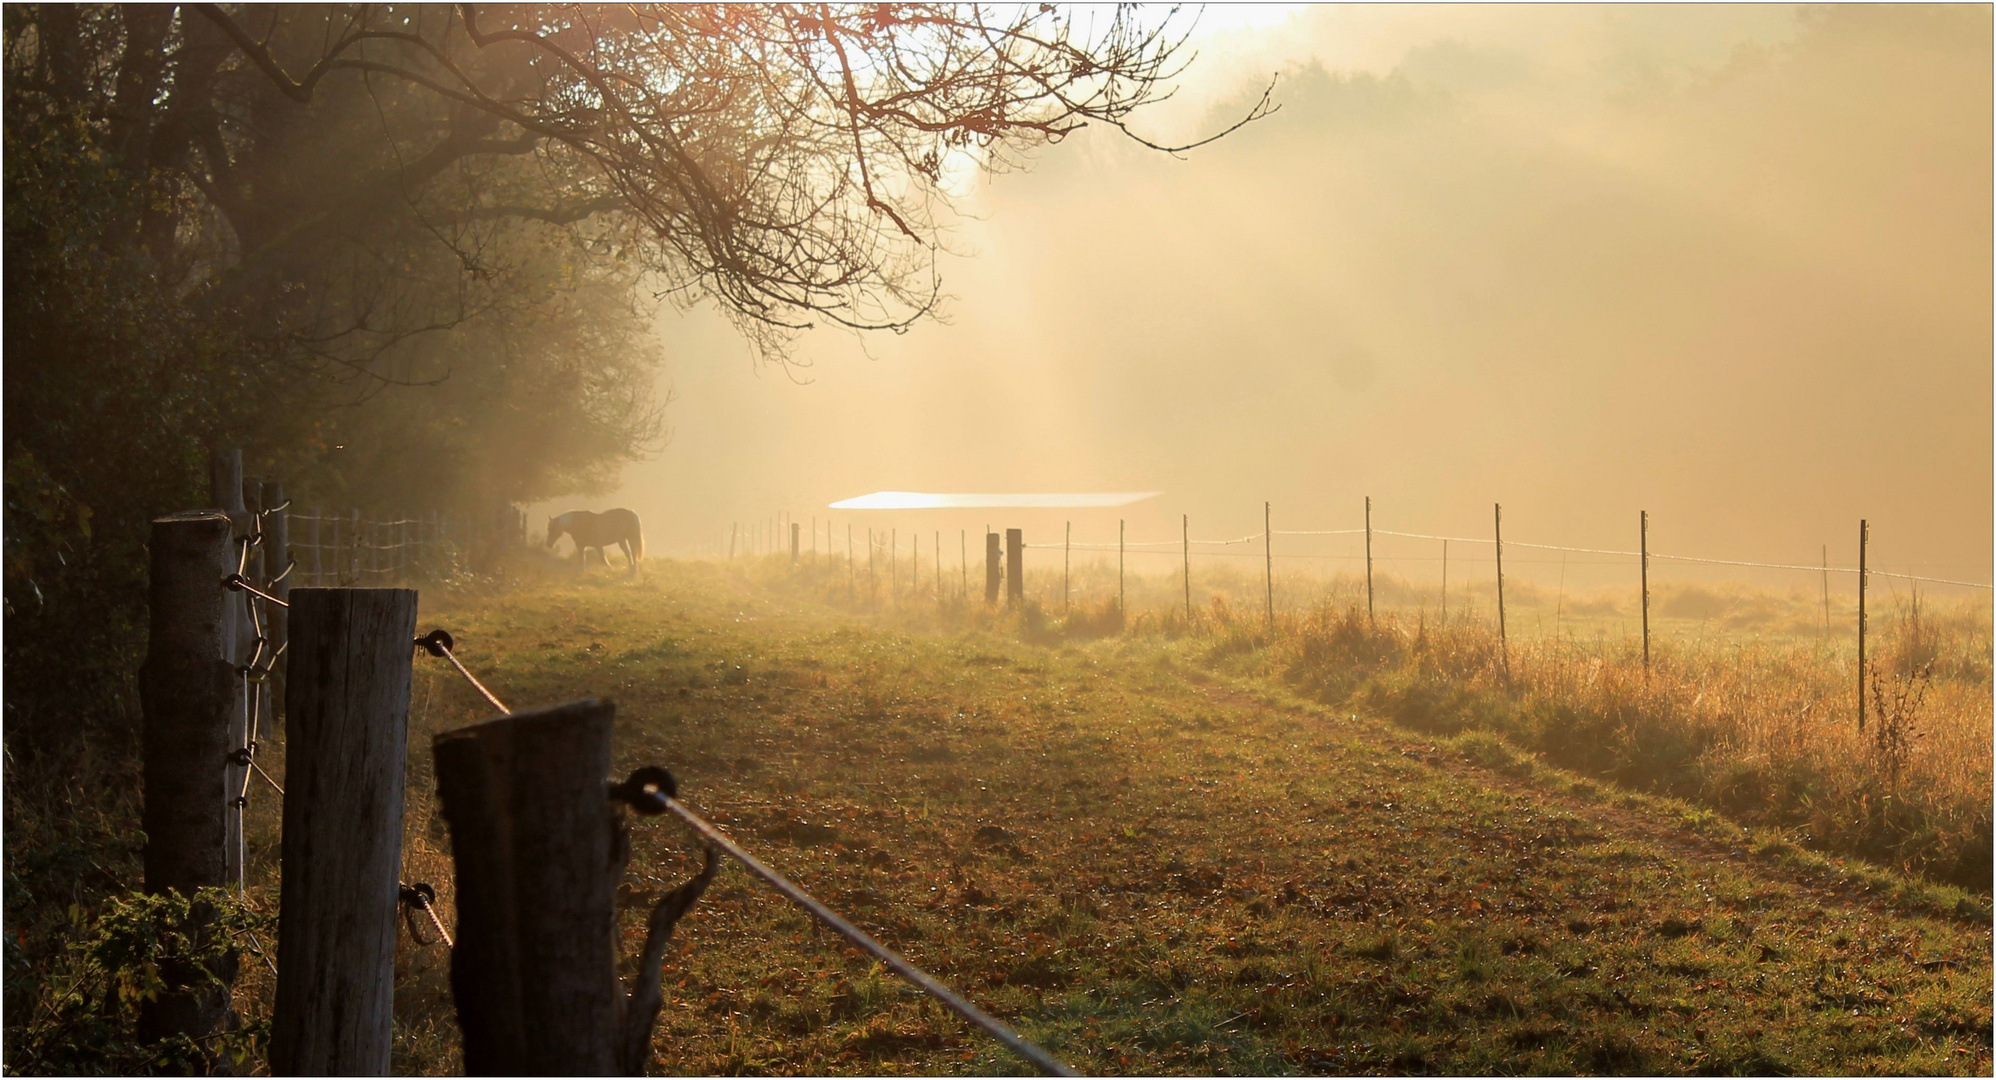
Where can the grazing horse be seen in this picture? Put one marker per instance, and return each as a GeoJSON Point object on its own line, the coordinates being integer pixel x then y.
{"type": "Point", "coordinates": [599, 531]}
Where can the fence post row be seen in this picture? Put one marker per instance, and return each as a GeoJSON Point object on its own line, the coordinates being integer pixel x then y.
{"type": "Point", "coordinates": [346, 729]}
{"type": "Point", "coordinates": [539, 848]}
{"type": "Point", "coordinates": [189, 698]}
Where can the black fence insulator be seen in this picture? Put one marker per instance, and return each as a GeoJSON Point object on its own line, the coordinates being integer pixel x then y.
{"type": "Point", "coordinates": [647, 790]}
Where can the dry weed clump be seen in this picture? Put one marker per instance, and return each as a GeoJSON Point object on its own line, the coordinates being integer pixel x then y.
{"type": "Point", "coordinates": [1766, 731]}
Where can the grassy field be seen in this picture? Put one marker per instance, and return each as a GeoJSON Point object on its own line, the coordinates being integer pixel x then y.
{"type": "Point", "coordinates": [1152, 863]}
{"type": "Point", "coordinates": [1169, 849]}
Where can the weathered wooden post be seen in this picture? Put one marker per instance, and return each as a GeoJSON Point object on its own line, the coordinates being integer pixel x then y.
{"type": "Point", "coordinates": [796, 538]}
{"type": "Point", "coordinates": [1503, 642]}
{"type": "Point", "coordinates": [1863, 552]}
{"type": "Point", "coordinates": [1122, 586]}
{"type": "Point", "coordinates": [1066, 569]}
{"type": "Point", "coordinates": [539, 847]}
{"type": "Point", "coordinates": [346, 735]}
{"type": "Point", "coordinates": [1185, 539]}
{"type": "Point", "coordinates": [1268, 559]}
{"type": "Point", "coordinates": [994, 570]}
{"type": "Point", "coordinates": [190, 698]}
{"type": "Point", "coordinates": [1370, 619]}
{"type": "Point", "coordinates": [1645, 575]}
{"type": "Point", "coordinates": [226, 489]}
{"type": "Point", "coordinates": [1015, 567]}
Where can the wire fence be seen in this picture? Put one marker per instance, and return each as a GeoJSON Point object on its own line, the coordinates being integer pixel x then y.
{"type": "Point", "coordinates": [883, 552]}
{"type": "Point", "coordinates": [348, 549]}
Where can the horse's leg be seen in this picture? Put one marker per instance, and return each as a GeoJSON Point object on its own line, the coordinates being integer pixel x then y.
{"type": "Point", "coordinates": [628, 556]}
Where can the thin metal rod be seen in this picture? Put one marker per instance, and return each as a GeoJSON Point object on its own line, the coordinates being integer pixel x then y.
{"type": "Point", "coordinates": [1369, 618]}
{"type": "Point", "coordinates": [1645, 591]}
{"type": "Point", "coordinates": [473, 680]}
{"type": "Point", "coordinates": [1042, 1060]}
{"type": "Point", "coordinates": [1268, 556]}
{"type": "Point", "coordinates": [1863, 552]}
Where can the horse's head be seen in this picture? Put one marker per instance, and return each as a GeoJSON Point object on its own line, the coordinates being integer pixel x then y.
{"type": "Point", "coordinates": [554, 530]}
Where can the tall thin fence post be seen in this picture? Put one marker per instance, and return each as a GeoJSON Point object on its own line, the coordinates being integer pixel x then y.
{"type": "Point", "coordinates": [994, 567]}
{"type": "Point", "coordinates": [1066, 571]}
{"type": "Point", "coordinates": [1645, 555]}
{"type": "Point", "coordinates": [852, 581]}
{"type": "Point", "coordinates": [1268, 559]}
{"type": "Point", "coordinates": [1863, 573]}
{"type": "Point", "coordinates": [226, 487]}
{"type": "Point", "coordinates": [346, 736]}
{"type": "Point", "coordinates": [1826, 589]}
{"type": "Point", "coordinates": [939, 568]}
{"type": "Point", "coordinates": [872, 575]}
{"type": "Point", "coordinates": [963, 560]}
{"type": "Point", "coordinates": [1503, 642]}
{"type": "Point", "coordinates": [1369, 617]}
{"type": "Point", "coordinates": [1015, 567]}
{"type": "Point", "coordinates": [734, 531]}
{"type": "Point", "coordinates": [1444, 582]}
{"type": "Point", "coordinates": [1185, 539]}
{"type": "Point", "coordinates": [189, 697]}
{"type": "Point", "coordinates": [796, 541]}
{"type": "Point", "coordinates": [1122, 592]}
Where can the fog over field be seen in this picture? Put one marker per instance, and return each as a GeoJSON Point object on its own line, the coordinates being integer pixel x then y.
{"type": "Point", "coordinates": [1727, 264]}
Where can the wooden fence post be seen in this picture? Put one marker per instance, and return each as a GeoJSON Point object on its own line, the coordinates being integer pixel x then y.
{"type": "Point", "coordinates": [1863, 551]}
{"type": "Point", "coordinates": [1268, 555]}
{"type": "Point", "coordinates": [226, 488]}
{"type": "Point", "coordinates": [346, 735]}
{"type": "Point", "coordinates": [1015, 566]}
{"type": "Point", "coordinates": [1645, 555]}
{"type": "Point", "coordinates": [1370, 618]}
{"type": "Point", "coordinates": [189, 698]}
{"type": "Point", "coordinates": [1185, 537]}
{"type": "Point", "coordinates": [1066, 565]}
{"type": "Point", "coordinates": [796, 541]}
{"type": "Point", "coordinates": [994, 568]}
{"type": "Point", "coordinates": [1503, 642]}
{"type": "Point", "coordinates": [1122, 613]}
{"type": "Point", "coordinates": [539, 848]}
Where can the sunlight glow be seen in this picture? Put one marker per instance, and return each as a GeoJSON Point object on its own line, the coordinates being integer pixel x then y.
{"type": "Point", "coordinates": [923, 500]}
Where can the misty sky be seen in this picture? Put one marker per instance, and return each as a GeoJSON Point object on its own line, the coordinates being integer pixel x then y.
{"type": "Point", "coordinates": [1728, 264]}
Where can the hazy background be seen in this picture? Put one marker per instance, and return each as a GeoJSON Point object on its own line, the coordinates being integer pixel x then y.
{"type": "Point", "coordinates": [1728, 264]}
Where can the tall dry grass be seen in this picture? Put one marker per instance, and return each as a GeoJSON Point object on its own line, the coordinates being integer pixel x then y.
{"type": "Point", "coordinates": [1763, 728]}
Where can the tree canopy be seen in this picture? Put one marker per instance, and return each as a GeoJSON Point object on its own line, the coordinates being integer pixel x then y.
{"type": "Point", "coordinates": [407, 256]}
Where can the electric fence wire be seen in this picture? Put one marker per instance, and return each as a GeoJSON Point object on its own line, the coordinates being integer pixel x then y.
{"type": "Point", "coordinates": [1174, 547]}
